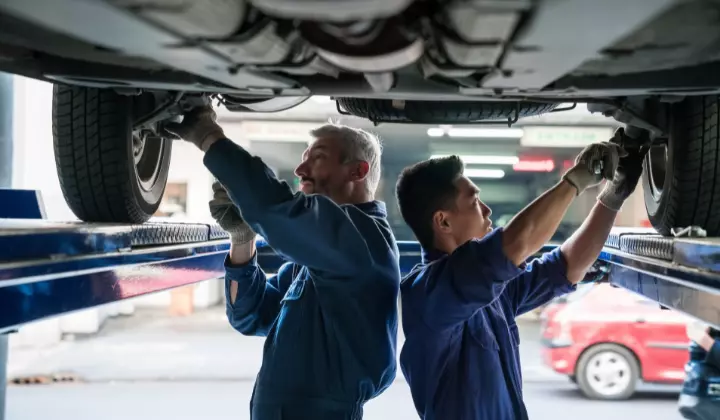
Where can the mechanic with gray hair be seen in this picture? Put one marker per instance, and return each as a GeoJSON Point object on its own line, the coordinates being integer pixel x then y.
{"type": "Point", "coordinates": [330, 313]}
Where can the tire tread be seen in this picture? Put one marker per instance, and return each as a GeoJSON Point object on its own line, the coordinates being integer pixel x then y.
{"type": "Point", "coordinates": [91, 130]}
{"type": "Point", "coordinates": [432, 112]}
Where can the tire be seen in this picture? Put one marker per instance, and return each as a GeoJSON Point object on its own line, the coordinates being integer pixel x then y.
{"type": "Point", "coordinates": [594, 386]}
{"type": "Point", "coordinates": [430, 112]}
{"type": "Point", "coordinates": [681, 179]}
{"type": "Point", "coordinates": [105, 175]}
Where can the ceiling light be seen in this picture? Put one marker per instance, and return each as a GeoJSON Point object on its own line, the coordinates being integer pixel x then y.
{"type": "Point", "coordinates": [484, 173]}
{"type": "Point", "coordinates": [435, 132]}
{"type": "Point", "coordinates": [484, 160]}
{"type": "Point", "coordinates": [467, 132]}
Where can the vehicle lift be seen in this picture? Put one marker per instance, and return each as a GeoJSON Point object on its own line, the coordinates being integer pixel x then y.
{"type": "Point", "coordinates": [50, 268]}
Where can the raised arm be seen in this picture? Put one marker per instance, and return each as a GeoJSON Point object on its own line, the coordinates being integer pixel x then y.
{"type": "Point", "coordinates": [584, 246]}
{"type": "Point", "coordinates": [308, 229]}
{"type": "Point", "coordinates": [530, 229]}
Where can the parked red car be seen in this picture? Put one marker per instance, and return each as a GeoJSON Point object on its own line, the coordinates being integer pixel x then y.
{"type": "Point", "coordinates": [607, 339]}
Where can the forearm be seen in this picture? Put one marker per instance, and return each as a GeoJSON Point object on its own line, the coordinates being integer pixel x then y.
{"type": "Point", "coordinates": [251, 184]}
{"type": "Point", "coordinates": [239, 255]}
{"type": "Point", "coordinates": [530, 229]}
{"type": "Point", "coordinates": [583, 247]}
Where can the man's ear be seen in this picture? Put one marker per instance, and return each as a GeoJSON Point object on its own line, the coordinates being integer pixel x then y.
{"type": "Point", "coordinates": [441, 222]}
{"type": "Point", "coordinates": [360, 171]}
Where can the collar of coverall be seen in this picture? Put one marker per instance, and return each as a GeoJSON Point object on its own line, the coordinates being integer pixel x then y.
{"type": "Point", "coordinates": [431, 255]}
{"type": "Point", "coordinates": [373, 208]}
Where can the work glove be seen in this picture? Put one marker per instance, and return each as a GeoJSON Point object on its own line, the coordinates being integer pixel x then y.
{"type": "Point", "coordinates": [596, 162]}
{"type": "Point", "coordinates": [198, 127]}
{"type": "Point", "coordinates": [228, 216]}
{"type": "Point", "coordinates": [626, 176]}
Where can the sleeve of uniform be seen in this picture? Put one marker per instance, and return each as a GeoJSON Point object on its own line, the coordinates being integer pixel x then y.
{"type": "Point", "coordinates": [543, 279]}
{"type": "Point", "coordinates": [713, 356]}
{"type": "Point", "coordinates": [309, 230]}
{"type": "Point", "coordinates": [257, 302]}
{"type": "Point", "coordinates": [471, 277]}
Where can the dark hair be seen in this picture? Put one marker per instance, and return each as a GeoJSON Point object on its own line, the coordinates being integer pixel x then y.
{"type": "Point", "coordinates": [425, 188]}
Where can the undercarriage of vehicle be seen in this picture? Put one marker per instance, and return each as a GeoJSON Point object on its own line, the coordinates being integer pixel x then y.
{"type": "Point", "coordinates": [653, 65]}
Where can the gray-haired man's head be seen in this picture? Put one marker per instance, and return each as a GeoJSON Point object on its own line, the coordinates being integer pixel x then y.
{"type": "Point", "coordinates": [341, 162]}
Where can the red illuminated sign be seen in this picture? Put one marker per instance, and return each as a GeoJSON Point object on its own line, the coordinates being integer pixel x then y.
{"type": "Point", "coordinates": [534, 165]}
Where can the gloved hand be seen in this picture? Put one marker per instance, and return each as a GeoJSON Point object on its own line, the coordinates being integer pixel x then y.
{"type": "Point", "coordinates": [697, 331]}
{"type": "Point", "coordinates": [228, 216]}
{"type": "Point", "coordinates": [198, 127]}
{"type": "Point", "coordinates": [601, 156]}
{"type": "Point", "coordinates": [626, 177]}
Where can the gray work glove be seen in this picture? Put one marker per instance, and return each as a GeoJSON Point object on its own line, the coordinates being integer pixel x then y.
{"type": "Point", "coordinates": [228, 216]}
{"type": "Point", "coordinates": [596, 162]}
{"type": "Point", "coordinates": [626, 176]}
{"type": "Point", "coordinates": [198, 127]}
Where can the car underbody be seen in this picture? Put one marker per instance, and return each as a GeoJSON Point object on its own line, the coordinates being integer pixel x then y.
{"type": "Point", "coordinates": [653, 65]}
{"type": "Point", "coordinates": [572, 50]}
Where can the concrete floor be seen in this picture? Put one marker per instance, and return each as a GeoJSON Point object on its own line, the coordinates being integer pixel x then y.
{"type": "Point", "coordinates": [229, 400]}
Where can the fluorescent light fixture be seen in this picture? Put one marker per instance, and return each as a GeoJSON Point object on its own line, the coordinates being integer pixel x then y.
{"type": "Point", "coordinates": [436, 132]}
{"type": "Point", "coordinates": [484, 173]}
{"type": "Point", "coordinates": [468, 132]}
{"type": "Point", "coordinates": [485, 160]}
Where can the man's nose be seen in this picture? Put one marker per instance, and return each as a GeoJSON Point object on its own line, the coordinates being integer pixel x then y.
{"type": "Point", "coordinates": [487, 210]}
{"type": "Point", "coordinates": [301, 170]}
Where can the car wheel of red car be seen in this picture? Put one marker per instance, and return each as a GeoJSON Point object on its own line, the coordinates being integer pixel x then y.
{"type": "Point", "coordinates": [607, 372]}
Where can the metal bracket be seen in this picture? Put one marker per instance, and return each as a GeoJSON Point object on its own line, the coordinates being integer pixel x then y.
{"type": "Point", "coordinates": [689, 232]}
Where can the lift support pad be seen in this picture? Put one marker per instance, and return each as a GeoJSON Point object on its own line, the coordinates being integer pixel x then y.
{"type": "Point", "coordinates": [678, 273]}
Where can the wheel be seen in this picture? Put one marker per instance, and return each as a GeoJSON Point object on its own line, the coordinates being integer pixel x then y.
{"type": "Point", "coordinates": [430, 112]}
{"type": "Point", "coordinates": [107, 171]}
{"type": "Point", "coordinates": [681, 177]}
{"type": "Point", "coordinates": [607, 372]}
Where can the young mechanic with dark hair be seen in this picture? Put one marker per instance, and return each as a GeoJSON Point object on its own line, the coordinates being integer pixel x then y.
{"type": "Point", "coordinates": [459, 305]}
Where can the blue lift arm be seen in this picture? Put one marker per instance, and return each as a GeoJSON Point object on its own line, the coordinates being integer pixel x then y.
{"type": "Point", "coordinates": [678, 273]}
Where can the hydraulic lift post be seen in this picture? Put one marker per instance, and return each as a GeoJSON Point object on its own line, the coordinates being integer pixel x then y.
{"type": "Point", "coordinates": [6, 158]}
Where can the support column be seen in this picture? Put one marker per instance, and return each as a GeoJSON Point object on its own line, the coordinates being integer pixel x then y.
{"type": "Point", "coordinates": [6, 130]}
{"type": "Point", "coordinates": [3, 372]}
{"type": "Point", "coordinates": [6, 164]}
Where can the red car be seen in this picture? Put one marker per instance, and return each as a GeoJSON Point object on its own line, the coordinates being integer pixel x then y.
{"type": "Point", "coordinates": [607, 339]}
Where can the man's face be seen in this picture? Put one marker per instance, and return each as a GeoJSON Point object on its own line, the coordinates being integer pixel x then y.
{"type": "Point", "coordinates": [470, 219]}
{"type": "Point", "coordinates": [322, 170]}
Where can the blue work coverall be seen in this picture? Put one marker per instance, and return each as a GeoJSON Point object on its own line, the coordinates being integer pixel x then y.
{"type": "Point", "coordinates": [329, 315]}
{"type": "Point", "coordinates": [460, 355]}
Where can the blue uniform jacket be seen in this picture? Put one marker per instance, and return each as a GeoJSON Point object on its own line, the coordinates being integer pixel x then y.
{"type": "Point", "coordinates": [329, 315]}
{"type": "Point", "coordinates": [461, 355]}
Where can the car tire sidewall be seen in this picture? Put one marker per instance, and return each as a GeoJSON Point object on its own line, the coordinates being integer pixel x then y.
{"type": "Point", "coordinates": [656, 209]}
{"type": "Point", "coordinates": [149, 200]}
{"type": "Point", "coordinates": [581, 375]}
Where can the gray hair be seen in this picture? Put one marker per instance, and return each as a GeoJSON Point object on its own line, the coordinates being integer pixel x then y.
{"type": "Point", "coordinates": [359, 145]}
